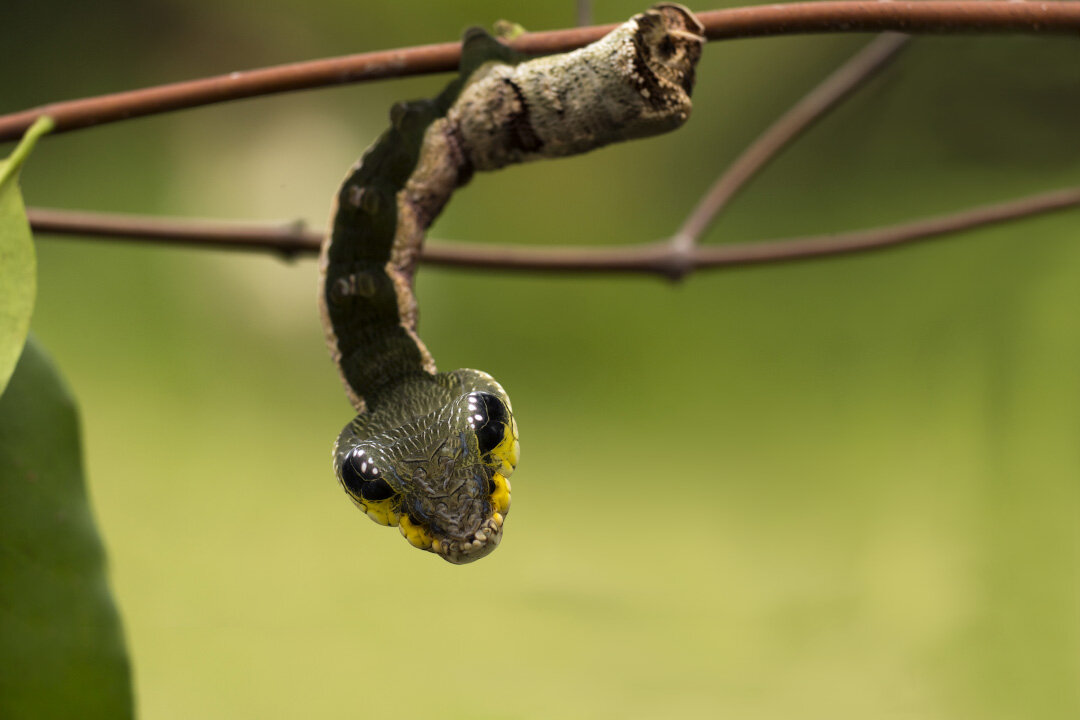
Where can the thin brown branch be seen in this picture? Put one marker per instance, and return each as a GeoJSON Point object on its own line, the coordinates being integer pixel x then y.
{"type": "Point", "coordinates": [655, 258]}
{"type": "Point", "coordinates": [287, 239]}
{"type": "Point", "coordinates": [925, 16]}
{"type": "Point", "coordinates": [798, 119]}
{"type": "Point", "coordinates": [881, 238]}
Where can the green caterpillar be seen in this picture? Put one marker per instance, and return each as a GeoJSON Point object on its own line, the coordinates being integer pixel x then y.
{"type": "Point", "coordinates": [433, 452]}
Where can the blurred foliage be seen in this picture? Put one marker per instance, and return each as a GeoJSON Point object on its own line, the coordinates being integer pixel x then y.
{"type": "Point", "coordinates": [18, 266]}
{"type": "Point", "coordinates": [840, 489]}
{"type": "Point", "coordinates": [61, 645]}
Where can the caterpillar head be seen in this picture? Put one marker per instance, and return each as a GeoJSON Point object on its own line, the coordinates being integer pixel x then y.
{"type": "Point", "coordinates": [441, 477]}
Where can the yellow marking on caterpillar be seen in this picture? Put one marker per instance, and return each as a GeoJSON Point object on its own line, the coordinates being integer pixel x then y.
{"type": "Point", "coordinates": [417, 535]}
{"type": "Point", "coordinates": [508, 450]}
{"type": "Point", "coordinates": [384, 512]}
{"type": "Point", "coordinates": [500, 499]}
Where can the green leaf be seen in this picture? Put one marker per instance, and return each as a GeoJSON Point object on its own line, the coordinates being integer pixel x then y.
{"type": "Point", "coordinates": [61, 645]}
{"type": "Point", "coordinates": [18, 269]}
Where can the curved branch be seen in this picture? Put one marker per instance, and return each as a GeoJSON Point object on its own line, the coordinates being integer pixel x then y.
{"type": "Point", "coordinates": [657, 258]}
{"type": "Point", "coordinates": [925, 16]}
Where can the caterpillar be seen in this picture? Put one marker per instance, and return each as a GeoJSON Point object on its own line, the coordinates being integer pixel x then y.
{"type": "Point", "coordinates": [431, 452]}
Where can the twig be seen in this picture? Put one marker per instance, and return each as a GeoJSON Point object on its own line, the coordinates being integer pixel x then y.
{"type": "Point", "coordinates": [655, 258]}
{"type": "Point", "coordinates": [286, 239]}
{"type": "Point", "coordinates": [881, 238]}
{"type": "Point", "coordinates": [789, 126]}
{"type": "Point", "coordinates": [926, 16]}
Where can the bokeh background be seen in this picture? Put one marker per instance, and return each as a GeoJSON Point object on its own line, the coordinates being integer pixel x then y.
{"type": "Point", "coordinates": [841, 489]}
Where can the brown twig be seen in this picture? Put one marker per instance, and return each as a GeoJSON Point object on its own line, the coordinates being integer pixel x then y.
{"type": "Point", "coordinates": [925, 16]}
{"type": "Point", "coordinates": [655, 258]}
{"type": "Point", "coordinates": [882, 238]}
{"type": "Point", "coordinates": [287, 239]}
{"type": "Point", "coordinates": [789, 126]}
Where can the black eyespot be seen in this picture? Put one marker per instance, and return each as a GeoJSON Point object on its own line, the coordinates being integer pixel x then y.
{"type": "Point", "coordinates": [361, 477]}
{"type": "Point", "coordinates": [376, 490]}
{"type": "Point", "coordinates": [488, 416]}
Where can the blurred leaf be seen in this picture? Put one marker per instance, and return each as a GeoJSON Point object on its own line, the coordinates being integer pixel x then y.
{"type": "Point", "coordinates": [18, 269]}
{"type": "Point", "coordinates": [61, 645]}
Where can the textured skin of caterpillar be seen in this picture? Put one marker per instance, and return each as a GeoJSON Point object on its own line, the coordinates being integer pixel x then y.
{"type": "Point", "coordinates": [430, 452]}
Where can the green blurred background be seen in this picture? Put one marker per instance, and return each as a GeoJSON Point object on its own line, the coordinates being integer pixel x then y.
{"type": "Point", "coordinates": [842, 489]}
